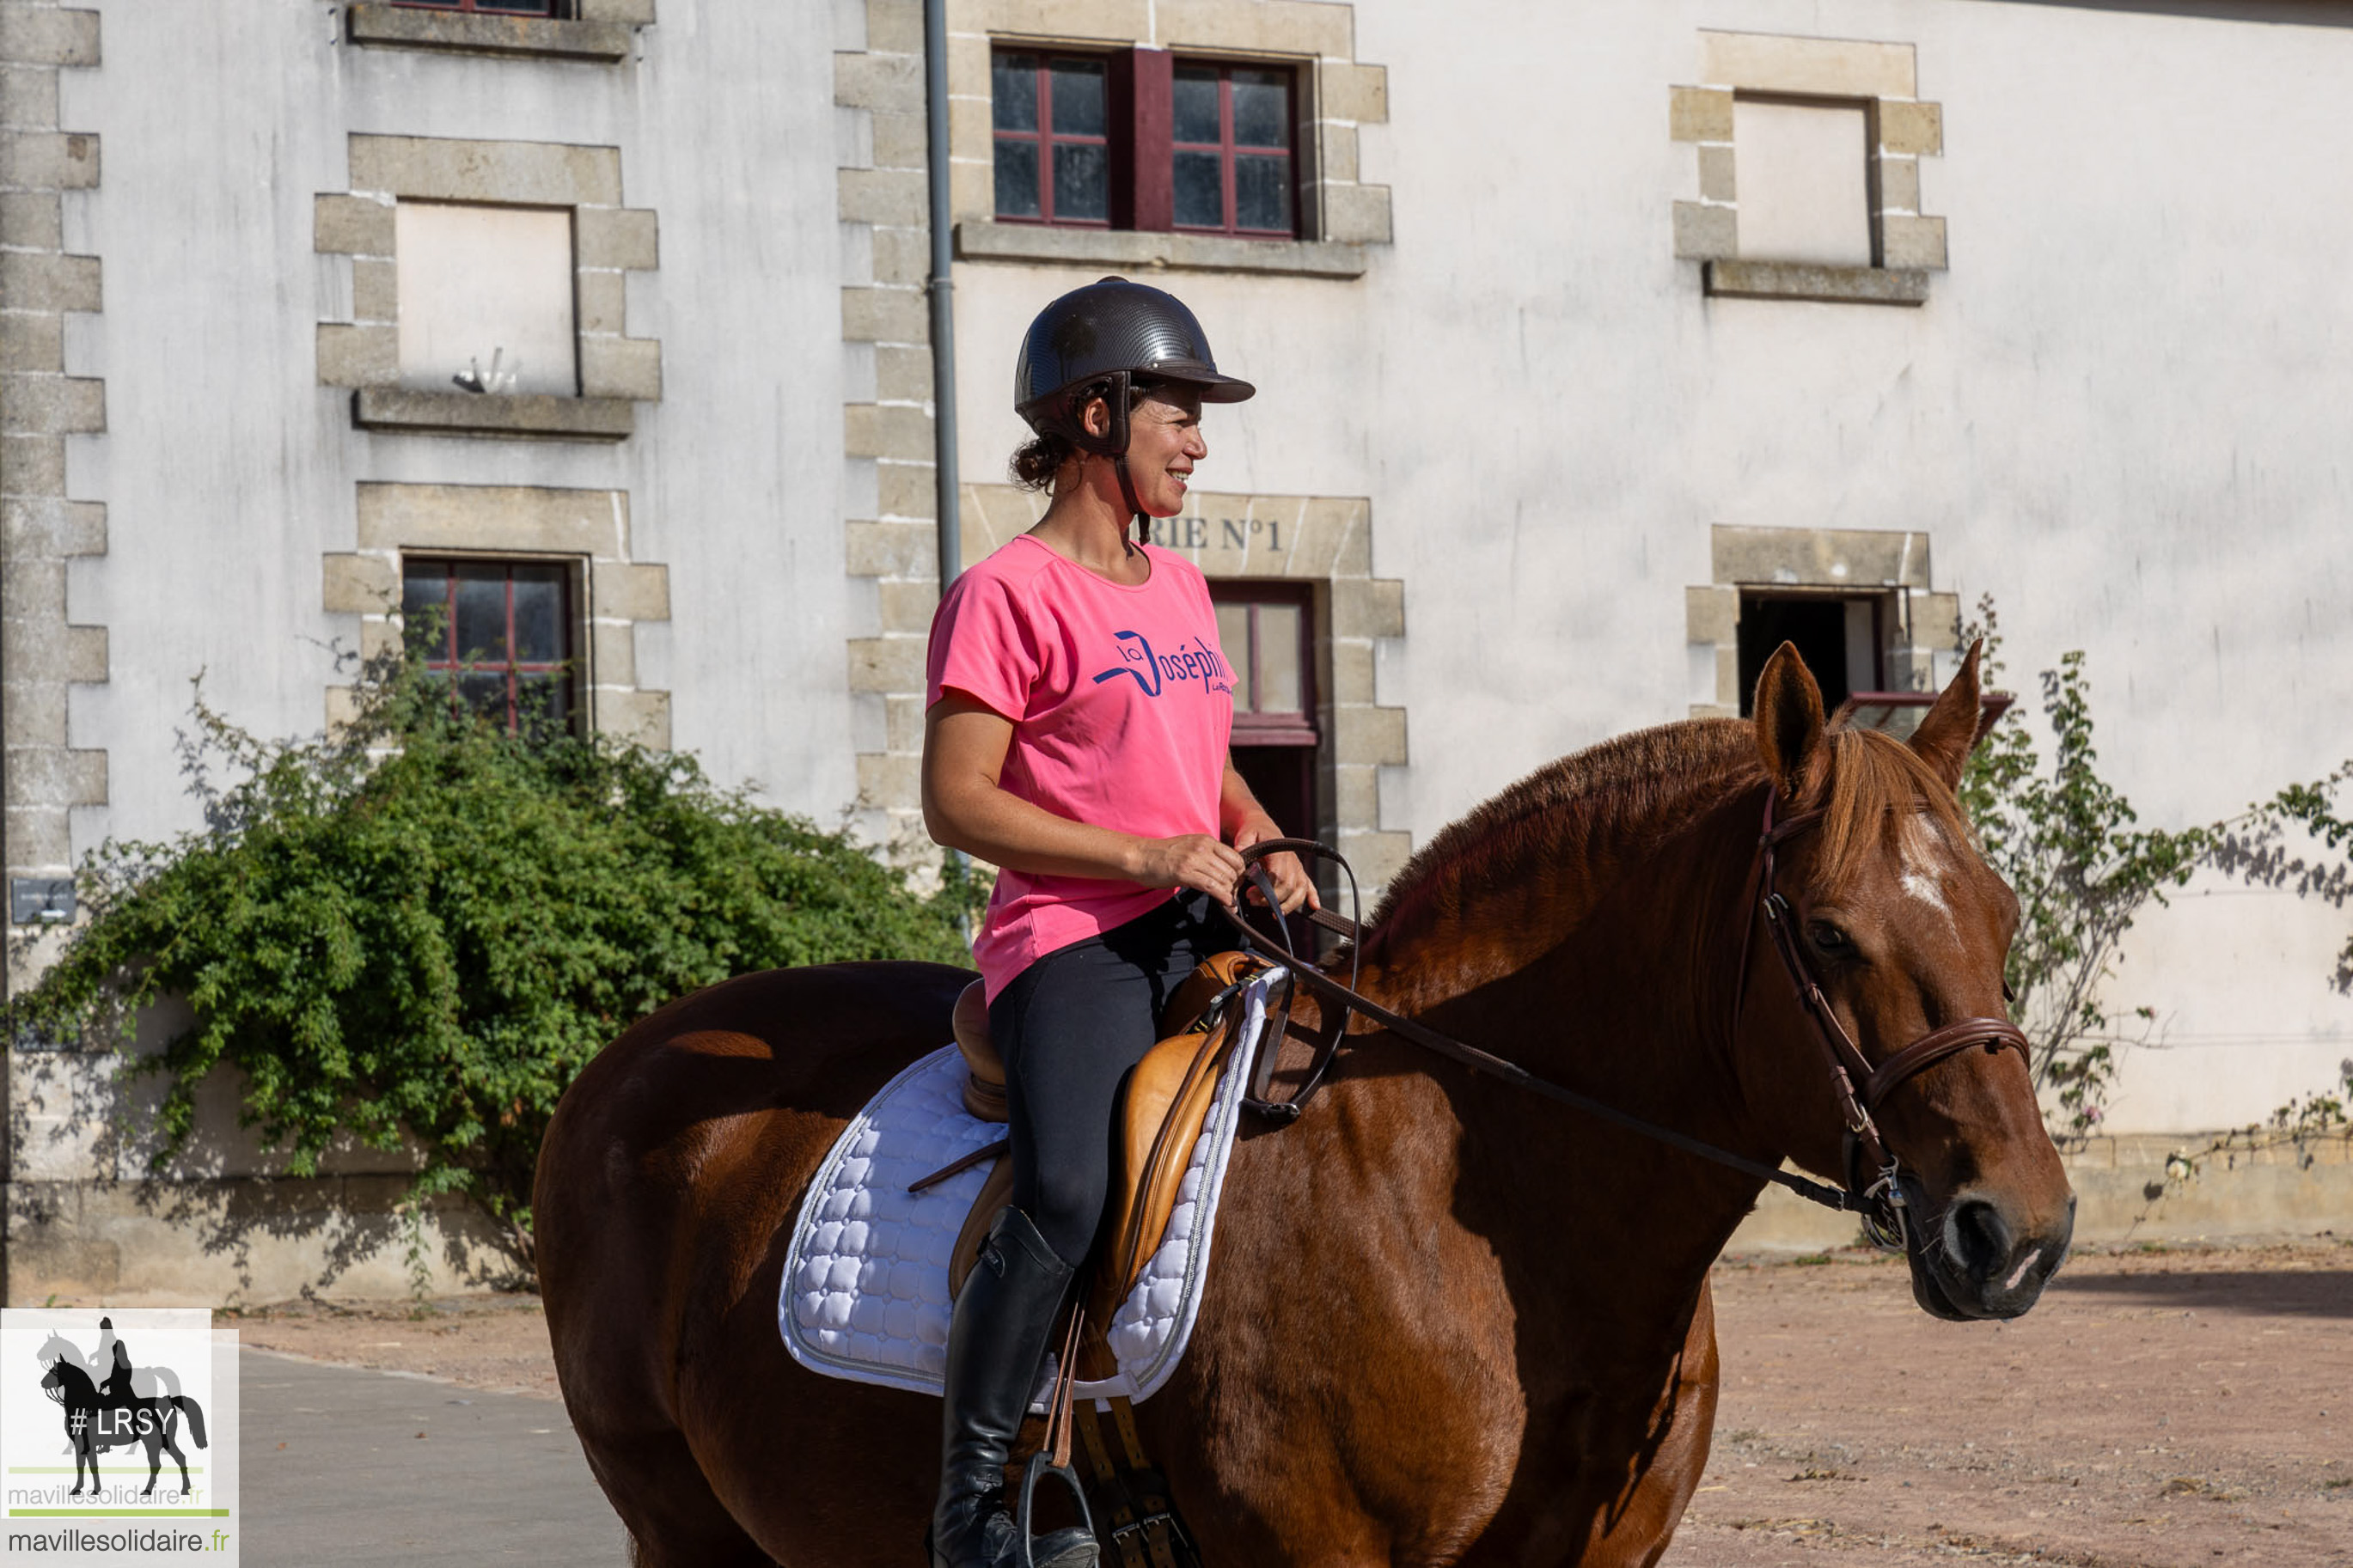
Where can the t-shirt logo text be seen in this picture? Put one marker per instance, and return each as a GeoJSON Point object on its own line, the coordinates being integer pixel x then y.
{"type": "Point", "coordinates": [1199, 662]}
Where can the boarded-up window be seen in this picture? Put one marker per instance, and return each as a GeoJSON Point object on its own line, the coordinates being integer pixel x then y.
{"type": "Point", "coordinates": [484, 285]}
{"type": "Point", "coordinates": [1803, 182]}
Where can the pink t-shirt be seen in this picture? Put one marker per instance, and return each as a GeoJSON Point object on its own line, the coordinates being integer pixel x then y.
{"type": "Point", "coordinates": [1122, 706]}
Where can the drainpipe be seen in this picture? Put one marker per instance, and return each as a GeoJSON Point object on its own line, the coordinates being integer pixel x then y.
{"type": "Point", "coordinates": [942, 291]}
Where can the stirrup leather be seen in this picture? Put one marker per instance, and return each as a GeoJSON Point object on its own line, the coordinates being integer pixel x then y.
{"type": "Point", "coordinates": [1144, 1529]}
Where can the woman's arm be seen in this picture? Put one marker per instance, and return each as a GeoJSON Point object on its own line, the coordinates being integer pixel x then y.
{"type": "Point", "coordinates": [1245, 822]}
{"type": "Point", "coordinates": [965, 808]}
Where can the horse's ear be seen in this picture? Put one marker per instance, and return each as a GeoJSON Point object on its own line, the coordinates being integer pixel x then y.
{"type": "Point", "coordinates": [1788, 720]}
{"type": "Point", "coordinates": [1949, 733]}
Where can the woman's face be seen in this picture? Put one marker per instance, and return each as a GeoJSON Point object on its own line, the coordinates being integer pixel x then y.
{"type": "Point", "coordinates": [1164, 442]}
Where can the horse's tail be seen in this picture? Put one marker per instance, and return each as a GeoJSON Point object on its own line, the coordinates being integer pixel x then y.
{"type": "Point", "coordinates": [196, 1414]}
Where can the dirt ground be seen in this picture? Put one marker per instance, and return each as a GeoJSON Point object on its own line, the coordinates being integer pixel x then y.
{"type": "Point", "coordinates": [2160, 1409]}
{"type": "Point", "coordinates": [2157, 1409]}
{"type": "Point", "coordinates": [496, 1343]}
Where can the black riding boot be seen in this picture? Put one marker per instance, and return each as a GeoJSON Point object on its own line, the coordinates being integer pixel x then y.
{"type": "Point", "coordinates": [997, 1340]}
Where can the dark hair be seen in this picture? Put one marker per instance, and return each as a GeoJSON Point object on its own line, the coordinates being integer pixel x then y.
{"type": "Point", "coordinates": [1038, 460]}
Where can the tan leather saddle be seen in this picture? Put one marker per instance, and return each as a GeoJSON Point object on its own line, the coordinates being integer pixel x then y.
{"type": "Point", "coordinates": [1158, 1121]}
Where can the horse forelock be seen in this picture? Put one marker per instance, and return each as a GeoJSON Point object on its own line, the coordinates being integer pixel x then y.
{"type": "Point", "coordinates": [1882, 797]}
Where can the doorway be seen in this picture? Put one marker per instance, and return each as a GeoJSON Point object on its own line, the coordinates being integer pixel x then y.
{"type": "Point", "coordinates": [1840, 636]}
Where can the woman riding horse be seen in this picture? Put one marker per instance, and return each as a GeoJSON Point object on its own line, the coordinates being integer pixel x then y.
{"type": "Point", "coordinates": [1076, 738]}
{"type": "Point", "coordinates": [1452, 1323]}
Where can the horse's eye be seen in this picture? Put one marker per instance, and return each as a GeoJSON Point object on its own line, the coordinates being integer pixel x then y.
{"type": "Point", "coordinates": [2009, 996]}
{"type": "Point", "coordinates": [1828, 939]}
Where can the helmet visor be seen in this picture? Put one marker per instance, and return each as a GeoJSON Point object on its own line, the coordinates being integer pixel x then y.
{"type": "Point", "coordinates": [1212, 386]}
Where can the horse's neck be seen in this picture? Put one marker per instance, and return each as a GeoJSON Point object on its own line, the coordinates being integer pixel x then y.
{"type": "Point", "coordinates": [1630, 1008]}
{"type": "Point", "coordinates": [1494, 915]}
{"type": "Point", "coordinates": [1635, 992]}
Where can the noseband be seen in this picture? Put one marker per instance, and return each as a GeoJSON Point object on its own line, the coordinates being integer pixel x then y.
{"type": "Point", "coordinates": [1882, 1205]}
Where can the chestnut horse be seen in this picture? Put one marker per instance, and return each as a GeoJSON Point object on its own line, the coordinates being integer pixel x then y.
{"type": "Point", "coordinates": [1450, 1322]}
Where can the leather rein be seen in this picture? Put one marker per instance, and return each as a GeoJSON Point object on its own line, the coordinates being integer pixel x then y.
{"type": "Point", "coordinates": [1880, 1205]}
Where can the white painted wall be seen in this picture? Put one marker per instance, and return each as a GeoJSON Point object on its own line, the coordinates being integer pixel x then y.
{"type": "Point", "coordinates": [2122, 412]}
{"type": "Point", "coordinates": [228, 470]}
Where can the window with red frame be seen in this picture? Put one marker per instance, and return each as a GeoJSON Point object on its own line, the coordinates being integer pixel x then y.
{"type": "Point", "coordinates": [1262, 628]}
{"type": "Point", "coordinates": [495, 7]}
{"type": "Point", "coordinates": [1052, 114]}
{"type": "Point", "coordinates": [1139, 140]}
{"type": "Point", "coordinates": [1230, 149]}
{"type": "Point", "coordinates": [1266, 632]}
{"type": "Point", "coordinates": [500, 632]}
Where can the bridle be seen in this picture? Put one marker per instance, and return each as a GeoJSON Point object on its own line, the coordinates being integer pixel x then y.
{"type": "Point", "coordinates": [1880, 1205]}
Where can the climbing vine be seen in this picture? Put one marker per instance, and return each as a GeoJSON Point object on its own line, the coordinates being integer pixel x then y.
{"type": "Point", "coordinates": [2070, 844]}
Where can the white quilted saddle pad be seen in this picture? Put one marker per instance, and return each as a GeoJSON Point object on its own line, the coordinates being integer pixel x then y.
{"type": "Point", "coordinates": [866, 1284]}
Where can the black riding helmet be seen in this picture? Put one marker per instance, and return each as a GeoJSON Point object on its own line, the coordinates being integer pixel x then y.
{"type": "Point", "coordinates": [1110, 340]}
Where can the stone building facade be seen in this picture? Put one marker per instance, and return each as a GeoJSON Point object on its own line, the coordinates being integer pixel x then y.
{"type": "Point", "coordinates": [1594, 360]}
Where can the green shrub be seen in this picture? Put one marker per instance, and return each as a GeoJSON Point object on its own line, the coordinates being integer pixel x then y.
{"type": "Point", "coordinates": [423, 924]}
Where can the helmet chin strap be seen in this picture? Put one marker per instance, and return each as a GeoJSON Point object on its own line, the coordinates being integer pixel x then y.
{"type": "Point", "coordinates": [1127, 494]}
{"type": "Point", "coordinates": [1113, 444]}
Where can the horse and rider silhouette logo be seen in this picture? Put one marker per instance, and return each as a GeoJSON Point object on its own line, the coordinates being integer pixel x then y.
{"type": "Point", "coordinates": [108, 1403]}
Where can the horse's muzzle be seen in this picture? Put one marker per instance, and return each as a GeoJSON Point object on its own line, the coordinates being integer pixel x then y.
{"type": "Point", "coordinates": [1980, 1259]}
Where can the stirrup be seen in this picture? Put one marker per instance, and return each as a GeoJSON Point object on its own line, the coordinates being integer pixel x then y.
{"type": "Point", "coordinates": [1042, 1463]}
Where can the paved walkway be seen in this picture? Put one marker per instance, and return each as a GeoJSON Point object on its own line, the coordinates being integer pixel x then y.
{"type": "Point", "coordinates": [359, 1467]}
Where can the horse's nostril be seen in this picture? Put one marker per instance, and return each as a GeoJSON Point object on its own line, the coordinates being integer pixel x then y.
{"type": "Point", "coordinates": [1981, 1240]}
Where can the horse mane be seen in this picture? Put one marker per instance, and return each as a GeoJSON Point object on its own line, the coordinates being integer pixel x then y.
{"type": "Point", "coordinates": [1519, 875]}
